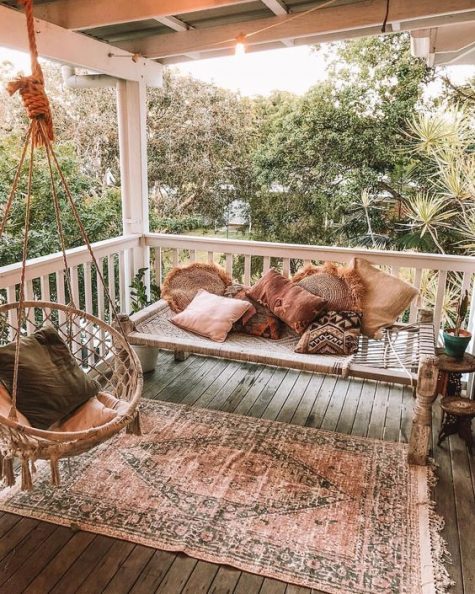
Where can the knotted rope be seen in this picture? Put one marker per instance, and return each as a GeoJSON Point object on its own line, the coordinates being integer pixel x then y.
{"type": "Point", "coordinates": [31, 88]}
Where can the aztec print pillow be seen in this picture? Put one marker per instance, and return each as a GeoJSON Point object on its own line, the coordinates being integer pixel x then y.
{"type": "Point", "coordinates": [332, 333]}
{"type": "Point", "coordinates": [341, 286]}
{"type": "Point", "coordinates": [260, 323]}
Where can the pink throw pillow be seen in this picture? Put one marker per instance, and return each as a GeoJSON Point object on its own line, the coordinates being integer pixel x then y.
{"type": "Point", "coordinates": [211, 315]}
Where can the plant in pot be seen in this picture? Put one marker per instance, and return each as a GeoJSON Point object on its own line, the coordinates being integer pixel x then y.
{"type": "Point", "coordinates": [139, 299]}
{"type": "Point", "coordinates": [456, 339]}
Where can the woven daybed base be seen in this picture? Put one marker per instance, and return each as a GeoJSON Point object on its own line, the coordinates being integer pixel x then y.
{"type": "Point", "coordinates": [394, 358]}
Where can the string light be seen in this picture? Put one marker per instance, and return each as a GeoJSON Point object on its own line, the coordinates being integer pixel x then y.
{"type": "Point", "coordinates": [240, 48]}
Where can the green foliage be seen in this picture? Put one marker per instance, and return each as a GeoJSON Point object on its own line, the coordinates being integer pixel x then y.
{"type": "Point", "coordinates": [176, 225]}
{"type": "Point", "coordinates": [138, 293]}
{"type": "Point", "coordinates": [318, 153]}
{"type": "Point", "coordinates": [200, 137]}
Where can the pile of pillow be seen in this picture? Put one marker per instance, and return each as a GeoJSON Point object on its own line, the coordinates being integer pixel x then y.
{"type": "Point", "coordinates": [328, 306]}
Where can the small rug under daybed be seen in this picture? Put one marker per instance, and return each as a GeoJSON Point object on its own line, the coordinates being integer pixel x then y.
{"type": "Point", "coordinates": [342, 514]}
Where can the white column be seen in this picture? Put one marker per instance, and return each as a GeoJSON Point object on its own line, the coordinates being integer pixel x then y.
{"type": "Point", "coordinates": [132, 121]}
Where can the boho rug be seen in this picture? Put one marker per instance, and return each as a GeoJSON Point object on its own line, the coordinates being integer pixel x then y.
{"type": "Point", "coordinates": [341, 514]}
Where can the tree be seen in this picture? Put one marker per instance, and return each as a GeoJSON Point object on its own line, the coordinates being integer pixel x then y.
{"type": "Point", "coordinates": [319, 153]}
{"type": "Point", "coordinates": [200, 138]}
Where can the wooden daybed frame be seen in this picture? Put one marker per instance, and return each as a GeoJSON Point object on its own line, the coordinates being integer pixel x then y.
{"type": "Point", "coordinates": [395, 358]}
{"type": "Point", "coordinates": [412, 343]}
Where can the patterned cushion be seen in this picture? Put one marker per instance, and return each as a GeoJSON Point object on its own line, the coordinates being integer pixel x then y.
{"type": "Point", "coordinates": [332, 333]}
{"type": "Point", "coordinates": [289, 302]}
{"type": "Point", "coordinates": [182, 283]}
{"type": "Point", "coordinates": [262, 323]}
{"type": "Point", "coordinates": [341, 286]}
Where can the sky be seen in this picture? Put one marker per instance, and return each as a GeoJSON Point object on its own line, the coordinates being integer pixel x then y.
{"type": "Point", "coordinates": [294, 69]}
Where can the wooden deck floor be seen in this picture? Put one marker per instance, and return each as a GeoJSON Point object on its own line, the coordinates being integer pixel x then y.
{"type": "Point", "coordinates": [37, 557]}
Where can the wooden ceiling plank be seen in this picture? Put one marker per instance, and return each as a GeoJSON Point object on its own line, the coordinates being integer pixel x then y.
{"type": "Point", "coordinates": [76, 49]}
{"type": "Point", "coordinates": [88, 14]}
{"type": "Point", "coordinates": [351, 17]}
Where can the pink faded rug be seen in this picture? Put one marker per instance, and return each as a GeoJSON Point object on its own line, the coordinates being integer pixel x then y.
{"type": "Point", "coordinates": [338, 513]}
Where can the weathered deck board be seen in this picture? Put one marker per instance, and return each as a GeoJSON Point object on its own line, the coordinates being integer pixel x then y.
{"type": "Point", "coordinates": [67, 561]}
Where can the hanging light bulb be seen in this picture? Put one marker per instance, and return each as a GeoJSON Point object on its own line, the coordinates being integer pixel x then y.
{"type": "Point", "coordinates": [240, 48]}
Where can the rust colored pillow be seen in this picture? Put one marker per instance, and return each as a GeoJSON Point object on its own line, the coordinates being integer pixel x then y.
{"type": "Point", "coordinates": [182, 283]}
{"type": "Point", "coordinates": [289, 302]}
{"type": "Point", "coordinates": [261, 322]}
{"type": "Point", "coordinates": [341, 286]}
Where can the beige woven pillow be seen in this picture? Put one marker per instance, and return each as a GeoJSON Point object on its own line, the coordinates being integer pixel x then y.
{"type": "Point", "coordinates": [182, 283]}
{"type": "Point", "coordinates": [385, 297]}
{"type": "Point", "coordinates": [340, 286]}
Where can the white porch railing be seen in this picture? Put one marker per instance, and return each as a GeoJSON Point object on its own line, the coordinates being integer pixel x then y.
{"type": "Point", "coordinates": [435, 274]}
{"type": "Point", "coordinates": [246, 260]}
{"type": "Point", "coordinates": [45, 276]}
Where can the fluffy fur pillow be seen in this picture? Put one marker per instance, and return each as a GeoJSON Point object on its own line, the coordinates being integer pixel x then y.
{"type": "Point", "coordinates": [211, 315]}
{"type": "Point", "coordinates": [262, 322]}
{"type": "Point", "coordinates": [341, 286]}
{"type": "Point", "coordinates": [385, 297]}
{"type": "Point", "coordinates": [289, 302]}
{"type": "Point", "coordinates": [182, 283]}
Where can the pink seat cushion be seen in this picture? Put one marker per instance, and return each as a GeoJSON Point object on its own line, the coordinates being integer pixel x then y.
{"type": "Point", "coordinates": [92, 413]}
{"type": "Point", "coordinates": [211, 315]}
{"type": "Point", "coordinates": [6, 404]}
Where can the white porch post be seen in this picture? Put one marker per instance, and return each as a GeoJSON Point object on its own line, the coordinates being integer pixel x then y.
{"type": "Point", "coordinates": [132, 121]}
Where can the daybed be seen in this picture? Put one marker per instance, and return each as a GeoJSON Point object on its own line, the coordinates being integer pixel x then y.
{"type": "Point", "coordinates": [394, 358]}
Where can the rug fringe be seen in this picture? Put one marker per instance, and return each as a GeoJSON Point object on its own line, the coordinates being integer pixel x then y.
{"type": "Point", "coordinates": [438, 581]}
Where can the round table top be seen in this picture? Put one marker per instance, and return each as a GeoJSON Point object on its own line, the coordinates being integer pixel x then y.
{"type": "Point", "coordinates": [465, 365]}
{"type": "Point", "coordinates": [456, 405]}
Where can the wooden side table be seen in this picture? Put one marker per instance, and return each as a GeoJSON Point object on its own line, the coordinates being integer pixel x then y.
{"type": "Point", "coordinates": [457, 412]}
{"type": "Point", "coordinates": [457, 415]}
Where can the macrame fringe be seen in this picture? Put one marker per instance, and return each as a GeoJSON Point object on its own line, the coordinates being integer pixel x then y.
{"type": "Point", "coordinates": [55, 477]}
{"type": "Point", "coordinates": [26, 480]}
{"type": "Point", "coordinates": [135, 426]}
{"type": "Point", "coordinates": [8, 473]}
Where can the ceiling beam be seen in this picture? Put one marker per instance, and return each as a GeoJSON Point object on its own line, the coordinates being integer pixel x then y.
{"type": "Point", "coordinates": [341, 19]}
{"type": "Point", "coordinates": [76, 49]}
{"type": "Point", "coordinates": [173, 23]}
{"type": "Point", "coordinates": [277, 7]}
{"type": "Point", "coordinates": [87, 14]}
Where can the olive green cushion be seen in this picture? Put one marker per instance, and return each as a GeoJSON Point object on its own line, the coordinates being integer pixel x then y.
{"type": "Point", "coordinates": [51, 384]}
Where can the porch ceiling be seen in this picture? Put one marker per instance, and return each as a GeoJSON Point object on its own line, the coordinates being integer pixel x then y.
{"type": "Point", "coordinates": [177, 30]}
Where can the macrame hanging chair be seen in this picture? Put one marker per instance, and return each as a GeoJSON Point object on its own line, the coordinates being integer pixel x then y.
{"type": "Point", "coordinates": [100, 348]}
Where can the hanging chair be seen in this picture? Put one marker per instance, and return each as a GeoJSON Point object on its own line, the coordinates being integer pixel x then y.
{"type": "Point", "coordinates": [101, 349]}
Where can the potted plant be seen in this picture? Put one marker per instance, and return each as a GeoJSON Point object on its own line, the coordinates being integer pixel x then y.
{"type": "Point", "coordinates": [139, 299]}
{"type": "Point", "coordinates": [456, 339]}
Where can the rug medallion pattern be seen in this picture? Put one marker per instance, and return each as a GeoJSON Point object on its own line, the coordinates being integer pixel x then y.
{"type": "Point", "coordinates": [320, 509]}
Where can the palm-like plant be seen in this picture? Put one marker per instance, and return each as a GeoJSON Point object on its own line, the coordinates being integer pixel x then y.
{"type": "Point", "coordinates": [445, 129]}
{"type": "Point", "coordinates": [429, 291]}
{"type": "Point", "coordinates": [427, 214]}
